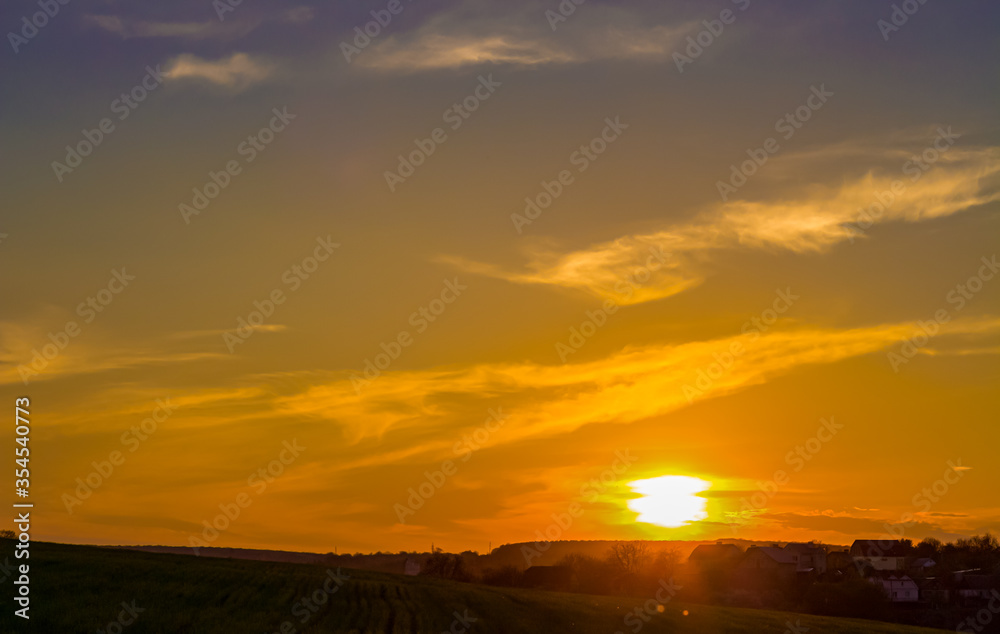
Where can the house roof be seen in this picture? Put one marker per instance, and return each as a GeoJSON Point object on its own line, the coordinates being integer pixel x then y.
{"type": "Point", "coordinates": [979, 582]}
{"type": "Point", "coordinates": [705, 552]}
{"type": "Point", "coordinates": [877, 548]}
{"type": "Point", "coordinates": [800, 548]}
{"type": "Point", "coordinates": [897, 583]}
{"type": "Point", "coordinates": [777, 554]}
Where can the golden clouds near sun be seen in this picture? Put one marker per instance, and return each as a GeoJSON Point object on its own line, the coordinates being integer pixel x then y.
{"type": "Point", "coordinates": [670, 501]}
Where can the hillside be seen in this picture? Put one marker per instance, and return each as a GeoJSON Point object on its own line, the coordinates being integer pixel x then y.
{"type": "Point", "coordinates": [504, 555]}
{"type": "Point", "coordinates": [83, 589]}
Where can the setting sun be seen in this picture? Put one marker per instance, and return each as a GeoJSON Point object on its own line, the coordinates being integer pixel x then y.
{"type": "Point", "coordinates": [670, 501]}
{"type": "Point", "coordinates": [500, 316]}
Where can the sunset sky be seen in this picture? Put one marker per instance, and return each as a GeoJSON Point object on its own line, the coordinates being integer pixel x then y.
{"type": "Point", "coordinates": [671, 307]}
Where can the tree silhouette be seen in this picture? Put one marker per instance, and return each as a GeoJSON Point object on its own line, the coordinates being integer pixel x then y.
{"type": "Point", "coordinates": [629, 557]}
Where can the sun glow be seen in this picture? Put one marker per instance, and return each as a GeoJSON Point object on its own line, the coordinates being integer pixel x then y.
{"type": "Point", "coordinates": [670, 501]}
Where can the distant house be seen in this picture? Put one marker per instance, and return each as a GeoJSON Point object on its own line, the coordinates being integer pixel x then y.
{"type": "Point", "coordinates": [976, 587]}
{"type": "Point", "coordinates": [922, 564]}
{"type": "Point", "coordinates": [548, 577]}
{"type": "Point", "coordinates": [839, 560]}
{"type": "Point", "coordinates": [933, 591]}
{"type": "Point", "coordinates": [724, 555]}
{"type": "Point", "coordinates": [710, 569]}
{"type": "Point", "coordinates": [774, 559]}
{"type": "Point", "coordinates": [900, 589]}
{"type": "Point", "coordinates": [880, 554]}
{"type": "Point", "coordinates": [808, 557]}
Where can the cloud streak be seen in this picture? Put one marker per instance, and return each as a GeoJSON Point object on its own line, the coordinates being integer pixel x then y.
{"type": "Point", "coordinates": [227, 27]}
{"type": "Point", "coordinates": [130, 28]}
{"type": "Point", "coordinates": [236, 72]}
{"type": "Point", "coordinates": [811, 221]}
{"type": "Point", "coordinates": [545, 400]}
{"type": "Point", "coordinates": [457, 39]}
{"type": "Point", "coordinates": [20, 345]}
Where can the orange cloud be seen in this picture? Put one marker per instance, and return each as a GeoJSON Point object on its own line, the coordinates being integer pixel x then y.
{"type": "Point", "coordinates": [544, 400]}
{"type": "Point", "coordinates": [812, 221]}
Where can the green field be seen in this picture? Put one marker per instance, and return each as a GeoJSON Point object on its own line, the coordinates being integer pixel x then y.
{"type": "Point", "coordinates": [82, 588]}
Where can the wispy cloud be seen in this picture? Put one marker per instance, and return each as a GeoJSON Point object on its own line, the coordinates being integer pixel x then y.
{"type": "Point", "coordinates": [544, 400]}
{"type": "Point", "coordinates": [199, 334]}
{"type": "Point", "coordinates": [88, 360]}
{"type": "Point", "coordinates": [236, 72]}
{"type": "Point", "coordinates": [461, 38]}
{"type": "Point", "coordinates": [845, 523]}
{"type": "Point", "coordinates": [128, 28]}
{"type": "Point", "coordinates": [88, 354]}
{"type": "Point", "coordinates": [810, 221]}
{"type": "Point", "coordinates": [233, 25]}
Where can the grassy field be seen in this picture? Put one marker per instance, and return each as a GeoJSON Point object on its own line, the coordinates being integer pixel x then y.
{"type": "Point", "coordinates": [83, 589]}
